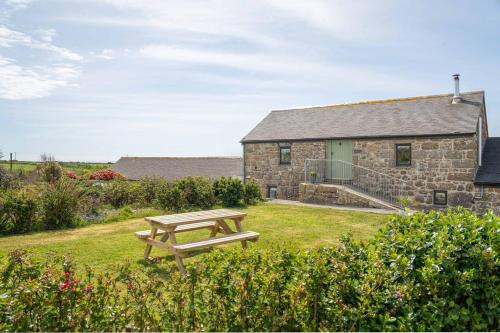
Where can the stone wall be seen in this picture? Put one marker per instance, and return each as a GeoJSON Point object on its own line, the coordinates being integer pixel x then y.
{"type": "Point", "coordinates": [490, 199]}
{"type": "Point", "coordinates": [438, 163]}
{"type": "Point", "coordinates": [328, 194]}
{"type": "Point", "coordinates": [262, 162]}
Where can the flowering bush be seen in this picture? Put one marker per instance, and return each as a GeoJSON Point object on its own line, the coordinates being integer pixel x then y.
{"type": "Point", "coordinates": [424, 272]}
{"type": "Point", "coordinates": [105, 174]}
{"type": "Point", "coordinates": [71, 174]}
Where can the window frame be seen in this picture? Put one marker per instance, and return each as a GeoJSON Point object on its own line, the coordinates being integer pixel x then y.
{"type": "Point", "coordinates": [445, 198]}
{"type": "Point", "coordinates": [397, 145]}
{"type": "Point", "coordinates": [279, 151]}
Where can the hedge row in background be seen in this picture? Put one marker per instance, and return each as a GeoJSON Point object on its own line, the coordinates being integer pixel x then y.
{"type": "Point", "coordinates": [68, 202]}
{"type": "Point", "coordinates": [423, 272]}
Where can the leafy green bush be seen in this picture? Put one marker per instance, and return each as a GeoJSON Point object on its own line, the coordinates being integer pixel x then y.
{"type": "Point", "coordinates": [50, 170]}
{"type": "Point", "coordinates": [117, 193]}
{"type": "Point", "coordinates": [252, 194]}
{"type": "Point", "coordinates": [18, 211]}
{"type": "Point", "coordinates": [5, 178]}
{"type": "Point", "coordinates": [60, 203]}
{"type": "Point", "coordinates": [229, 191]}
{"type": "Point", "coordinates": [198, 191]}
{"type": "Point", "coordinates": [436, 271]}
{"type": "Point", "coordinates": [170, 196]}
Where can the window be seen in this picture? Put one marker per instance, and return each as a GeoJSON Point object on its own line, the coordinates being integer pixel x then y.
{"type": "Point", "coordinates": [403, 154]}
{"type": "Point", "coordinates": [272, 192]}
{"type": "Point", "coordinates": [285, 155]}
{"type": "Point", "coordinates": [440, 197]}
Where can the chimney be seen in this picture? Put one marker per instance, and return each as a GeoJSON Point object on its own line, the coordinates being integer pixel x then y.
{"type": "Point", "coordinates": [456, 97]}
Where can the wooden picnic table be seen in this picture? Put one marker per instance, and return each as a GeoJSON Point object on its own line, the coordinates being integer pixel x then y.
{"type": "Point", "coordinates": [167, 226]}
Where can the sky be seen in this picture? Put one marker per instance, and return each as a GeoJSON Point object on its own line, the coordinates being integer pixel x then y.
{"type": "Point", "coordinates": [95, 80]}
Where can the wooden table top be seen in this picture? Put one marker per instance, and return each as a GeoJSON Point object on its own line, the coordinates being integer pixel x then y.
{"type": "Point", "coordinates": [194, 217]}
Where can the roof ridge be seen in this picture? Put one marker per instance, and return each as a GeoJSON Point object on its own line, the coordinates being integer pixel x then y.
{"type": "Point", "coordinates": [379, 101]}
{"type": "Point", "coordinates": [183, 157]}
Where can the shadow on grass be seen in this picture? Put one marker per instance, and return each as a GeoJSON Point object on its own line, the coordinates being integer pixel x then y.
{"type": "Point", "coordinates": [164, 266]}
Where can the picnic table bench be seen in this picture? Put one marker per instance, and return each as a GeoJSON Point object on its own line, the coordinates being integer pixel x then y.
{"type": "Point", "coordinates": [167, 226]}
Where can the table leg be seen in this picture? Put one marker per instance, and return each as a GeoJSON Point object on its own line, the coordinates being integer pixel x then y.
{"type": "Point", "coordinates": [226, 229]}
{"type": "Point", "coordinates": [214, 230]}
{"type": "Point", "coordinates": [237, 223]}
{"type": "Point", "coordinates": [178, 259]}
{"type": "Point", "coordinates": [147, 251]}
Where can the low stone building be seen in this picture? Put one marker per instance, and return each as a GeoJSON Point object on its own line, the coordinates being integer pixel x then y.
{"type": "Point", "coordinates": [433, 151]}
{"type": "Point", "coordinates": [134, 168]}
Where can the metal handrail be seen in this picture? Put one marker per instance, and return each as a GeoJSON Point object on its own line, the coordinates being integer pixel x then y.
{"type": "Point", "coordinates": [374, 183]}
{"type": "Point", "coordinates": [360, 167]}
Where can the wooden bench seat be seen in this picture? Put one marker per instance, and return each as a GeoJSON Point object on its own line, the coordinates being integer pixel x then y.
{"type": "Point", "coordinates": [188, 227]}
{"type": "Point", "coordinates": [219, 240]}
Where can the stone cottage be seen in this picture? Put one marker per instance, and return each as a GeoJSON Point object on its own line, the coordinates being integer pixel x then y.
{"type": "Point", "coordinates": [432, 150]}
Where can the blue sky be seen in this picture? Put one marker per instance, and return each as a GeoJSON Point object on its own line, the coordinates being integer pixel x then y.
{"type": "Point", "coordinates": [98, 79]}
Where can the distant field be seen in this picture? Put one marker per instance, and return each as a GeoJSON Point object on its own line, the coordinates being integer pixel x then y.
{"type": "Point", "coordinates": [78, 167]}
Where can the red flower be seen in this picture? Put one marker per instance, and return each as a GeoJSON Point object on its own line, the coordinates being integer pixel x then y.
{"type": "Point", "coordinates": [106, 174]}
{"type": "Point", "coordinates": [71, 174]}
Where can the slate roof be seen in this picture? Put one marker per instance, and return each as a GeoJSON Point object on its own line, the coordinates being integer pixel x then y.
{"type": "Point", "coordinates": [489, 171]}
{"type": "Point", "coordinates": [414, 116]}
{"type": "Point", "coordinates": [177, 167]}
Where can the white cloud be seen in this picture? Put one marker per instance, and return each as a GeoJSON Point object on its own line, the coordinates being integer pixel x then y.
{"type": "Point", "coordinates": [54, 69]}
{"type": "Point", "coordinates": [280, 65]}
{"type": "Point", "coordinates": [18, 4]}
{"type": "Point", "coordinates": [18, 82]}
{"type": "Point", "coordinates": [46, 35]}
{"type": "Point", "coordinates": [106, 54]}
{"type": "Point", "coordinates": [11, 38]}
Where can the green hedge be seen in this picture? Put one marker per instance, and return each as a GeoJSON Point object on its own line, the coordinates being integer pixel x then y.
{"type": "Point", "coordinates": [67, 202]}
{"type": "Point", "coordinates": [427, 272]}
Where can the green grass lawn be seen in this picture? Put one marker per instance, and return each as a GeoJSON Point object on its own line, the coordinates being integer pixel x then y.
{"type": "Point", "coordinates": [285, 225]}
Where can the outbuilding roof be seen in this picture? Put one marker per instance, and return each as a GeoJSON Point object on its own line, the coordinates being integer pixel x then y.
{"type": "Point", "coordinates": [413, 116]}
{"type": "Point", "coordinates": [177, 167]}
{"type": "Point", "coordinates": [489, 172]}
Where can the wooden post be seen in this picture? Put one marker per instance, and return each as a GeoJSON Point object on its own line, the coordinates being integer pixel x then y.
{"type": "Point", "coordinates": [147, 251]}
{"type": "Point", "coordinates": [178, 259]}
{"type": "Point", "coordinates": [237, 223]}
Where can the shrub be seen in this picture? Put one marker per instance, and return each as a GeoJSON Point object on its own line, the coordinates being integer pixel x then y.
{"type": "Point", "coordinates": [252, 194]}
{"type": "Point", "coordinates": [49, 170]}
{"type": "Point", "coordinates": [143, 192]}
{"type": "Point", "coordinates": [229, 191]}
{"type": "Point", "coordinates": [5, 178]}
{"type": "Point", "coordinates": [170, 196]}
{"type": "Point", "coordinates": [105, 174]}
{"type": "Point", "coordinates": [71, 174]}
{"type": "Point", "coordinates": [117, 193]}
{"type": "Point", "coordinates": [422, 272]}
{"type": "Point", "coordinates": [150, 187]}
{"type": "Point", "coordinates": [60, 203]}
{"type": "Point", "coordinates": [18, 211]}
{"type": "Point", "coordinates": [198, 191]}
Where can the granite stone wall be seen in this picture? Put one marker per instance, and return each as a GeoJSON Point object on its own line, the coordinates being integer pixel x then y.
{"type": "Point", "coordinates": [262, 162]}
{"type": "Point", "coordinates": [438, 163]}
{"type": "Point", "coordinates": [490, 199]}
{"type": "Point", "coordinates": [328, 194]}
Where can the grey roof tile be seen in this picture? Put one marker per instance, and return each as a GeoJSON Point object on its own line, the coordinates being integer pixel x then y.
{"type": "Point", "coordinates": [489, 172]}
{"type": "Point", "coordinates": [177, 167]}
{"type": "Point", "coordinates": [414, 116]}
